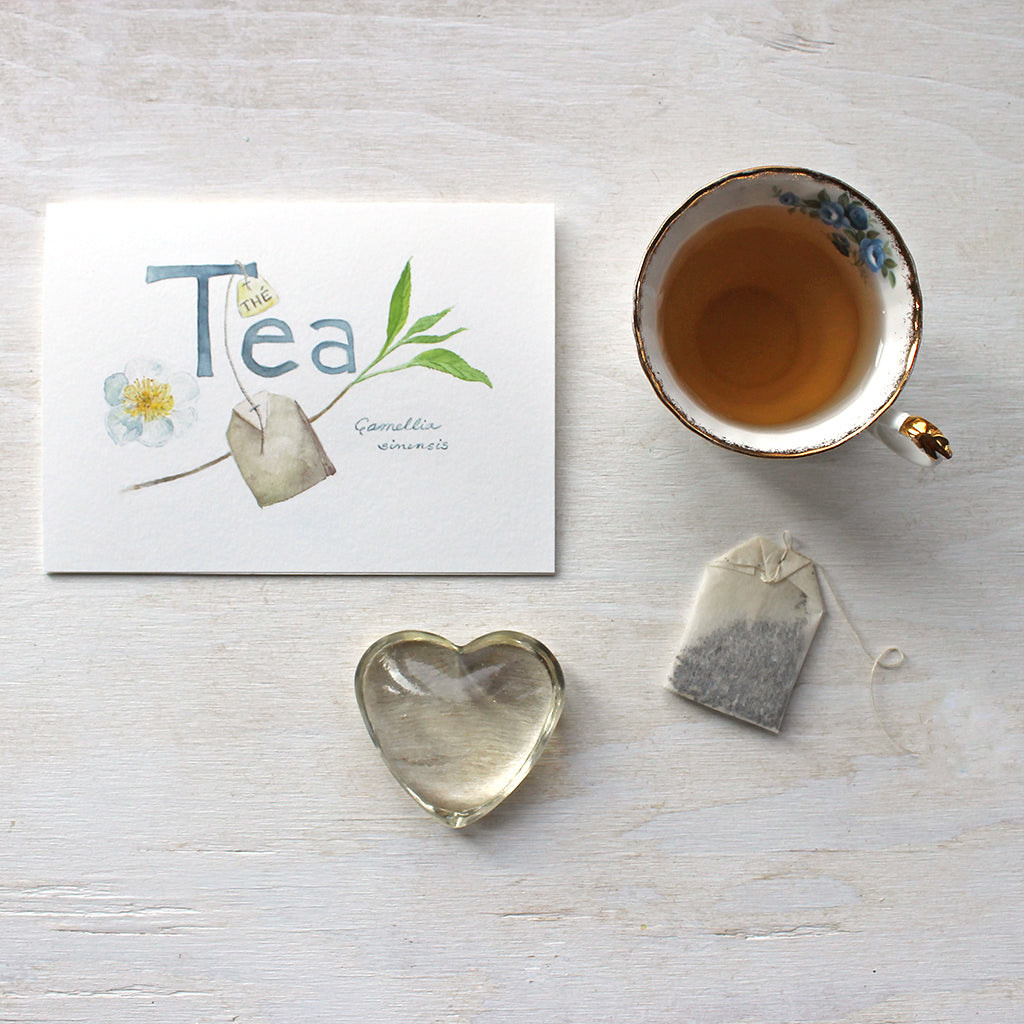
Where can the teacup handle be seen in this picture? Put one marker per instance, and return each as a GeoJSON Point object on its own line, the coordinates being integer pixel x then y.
{"type": "Point", "coordinates": [917, 440]}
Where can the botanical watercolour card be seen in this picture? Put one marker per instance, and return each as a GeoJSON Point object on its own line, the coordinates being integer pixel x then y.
{"type": "Point", "coordinates": [282, 387]}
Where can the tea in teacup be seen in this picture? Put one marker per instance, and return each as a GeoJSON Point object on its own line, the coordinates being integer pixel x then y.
{"type": "Point", "coordinates": [777, 313]}
{"type": "Point", "coordinates": [764, 320]}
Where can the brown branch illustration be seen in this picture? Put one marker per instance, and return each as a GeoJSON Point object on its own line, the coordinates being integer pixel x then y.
{"type": "Point", "coordinates": [225, 455]}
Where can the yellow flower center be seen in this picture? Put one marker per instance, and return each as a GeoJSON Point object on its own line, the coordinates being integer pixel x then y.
{"type": "Point", "coordinates": [148, 399]}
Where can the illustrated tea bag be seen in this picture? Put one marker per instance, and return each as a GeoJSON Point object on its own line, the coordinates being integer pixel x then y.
{"type": "Point", "coordinates": [756, 614]}
{"type": "Point", "coordinates": [275, 448]}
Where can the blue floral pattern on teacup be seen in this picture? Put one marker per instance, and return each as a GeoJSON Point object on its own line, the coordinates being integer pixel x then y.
{"type": "Point", "coordinates": [853, 232]}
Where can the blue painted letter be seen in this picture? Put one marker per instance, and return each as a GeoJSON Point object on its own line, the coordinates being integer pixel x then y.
{"type": "Point", "coordinates": [349, 366]}
{"type": "Point", "coordinates": [202, 274]}
{"type": "Point", "coordinates": [282, 335]}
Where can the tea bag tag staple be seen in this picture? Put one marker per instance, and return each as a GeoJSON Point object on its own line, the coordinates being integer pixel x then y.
{"type": "Point", "coordinates": [756, 613]}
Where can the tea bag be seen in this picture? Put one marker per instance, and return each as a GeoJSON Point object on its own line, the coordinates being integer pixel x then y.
{"type": "Point", "coordinates": [756, 614]}
{"type": "Point", "coordinates": [275, 448]}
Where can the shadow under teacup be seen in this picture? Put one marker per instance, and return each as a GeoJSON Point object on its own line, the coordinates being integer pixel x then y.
{"type": "Point", "coordinates": [777, 313]}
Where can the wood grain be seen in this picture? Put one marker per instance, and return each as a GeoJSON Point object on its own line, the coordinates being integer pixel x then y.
{"type": "Point", "coordinates": [194, 825]}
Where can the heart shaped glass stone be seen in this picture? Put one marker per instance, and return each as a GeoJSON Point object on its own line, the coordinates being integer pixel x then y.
{"type": "Point", "coordinates": [459, 727]}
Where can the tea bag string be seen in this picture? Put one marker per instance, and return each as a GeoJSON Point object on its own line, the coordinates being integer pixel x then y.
{"type": "Point", "coordinates": [891, 658]}
{"type": "Point", "coordinates": [227, 349]}
{"type": "Point", "coordinates": [761, 570]}
{"type": "Point", "coordinates": [776, 573]}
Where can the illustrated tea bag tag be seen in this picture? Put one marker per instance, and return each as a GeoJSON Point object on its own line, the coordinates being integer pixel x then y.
{"type": "Point", "coordinates": [756, 613]}
{"type": "Point", "coordinates": [275, 448]}
{"type": "Point", "coordinates": [254, 296]}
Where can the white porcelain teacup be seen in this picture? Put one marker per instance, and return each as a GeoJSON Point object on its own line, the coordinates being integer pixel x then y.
{"type": "Point", "coordinates": [857, 238]}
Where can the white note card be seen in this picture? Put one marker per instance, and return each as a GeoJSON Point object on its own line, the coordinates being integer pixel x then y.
{"type": "Point", "coordinates": [295, 387]}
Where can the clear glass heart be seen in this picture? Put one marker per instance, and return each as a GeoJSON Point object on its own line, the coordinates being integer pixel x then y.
{"type": "Point", "coordinates": [459, 727]}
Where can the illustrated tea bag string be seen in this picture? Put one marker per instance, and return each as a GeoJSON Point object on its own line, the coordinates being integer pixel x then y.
{"type": "Point", "coordinates": [891, 658]}
{"type": "Point", "coordinates": [231, 362]}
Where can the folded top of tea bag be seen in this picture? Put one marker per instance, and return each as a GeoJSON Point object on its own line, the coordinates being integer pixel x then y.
{"type": "Point", "coordinates": [756, 613]}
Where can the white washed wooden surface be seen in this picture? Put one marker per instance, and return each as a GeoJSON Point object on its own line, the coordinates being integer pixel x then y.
{"type": "Point", "coordinates": [194, 826]}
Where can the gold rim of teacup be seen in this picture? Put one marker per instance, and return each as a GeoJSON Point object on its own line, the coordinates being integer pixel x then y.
{"type": "Point", "coordinates": [907, 263]}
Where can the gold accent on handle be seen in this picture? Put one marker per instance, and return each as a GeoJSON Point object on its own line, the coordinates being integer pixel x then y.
{"type": "Point", "coordinates": [927, 437]}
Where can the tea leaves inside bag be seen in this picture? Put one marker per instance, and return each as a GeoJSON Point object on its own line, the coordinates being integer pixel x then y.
{"type": "Point", "coordinates": [756, 614]}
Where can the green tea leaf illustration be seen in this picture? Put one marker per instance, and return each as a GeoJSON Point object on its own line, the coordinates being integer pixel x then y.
{"type": "Point", "coordinates": [446, 361]}
{"type": "Point", "coordinates": [428, 339]}
{"type": "Point", "coordinates": [426, 322]}
{"type": "Point", "coordinates": [399, 311]}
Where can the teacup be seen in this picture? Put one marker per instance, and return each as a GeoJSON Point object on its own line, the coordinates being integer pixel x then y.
{"type": "Point", "coordinates": [777, 313]}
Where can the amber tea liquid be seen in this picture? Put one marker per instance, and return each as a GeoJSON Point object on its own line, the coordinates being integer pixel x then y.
{"type": "Point", "coordinates": [764, 321]}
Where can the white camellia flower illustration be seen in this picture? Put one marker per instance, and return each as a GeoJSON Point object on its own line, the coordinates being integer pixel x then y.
{"type": "Point", "coordinates": [148, 404]}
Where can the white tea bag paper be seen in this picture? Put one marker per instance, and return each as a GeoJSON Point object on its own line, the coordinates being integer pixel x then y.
{"type": "Point", "coordinates": [756, 613]}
